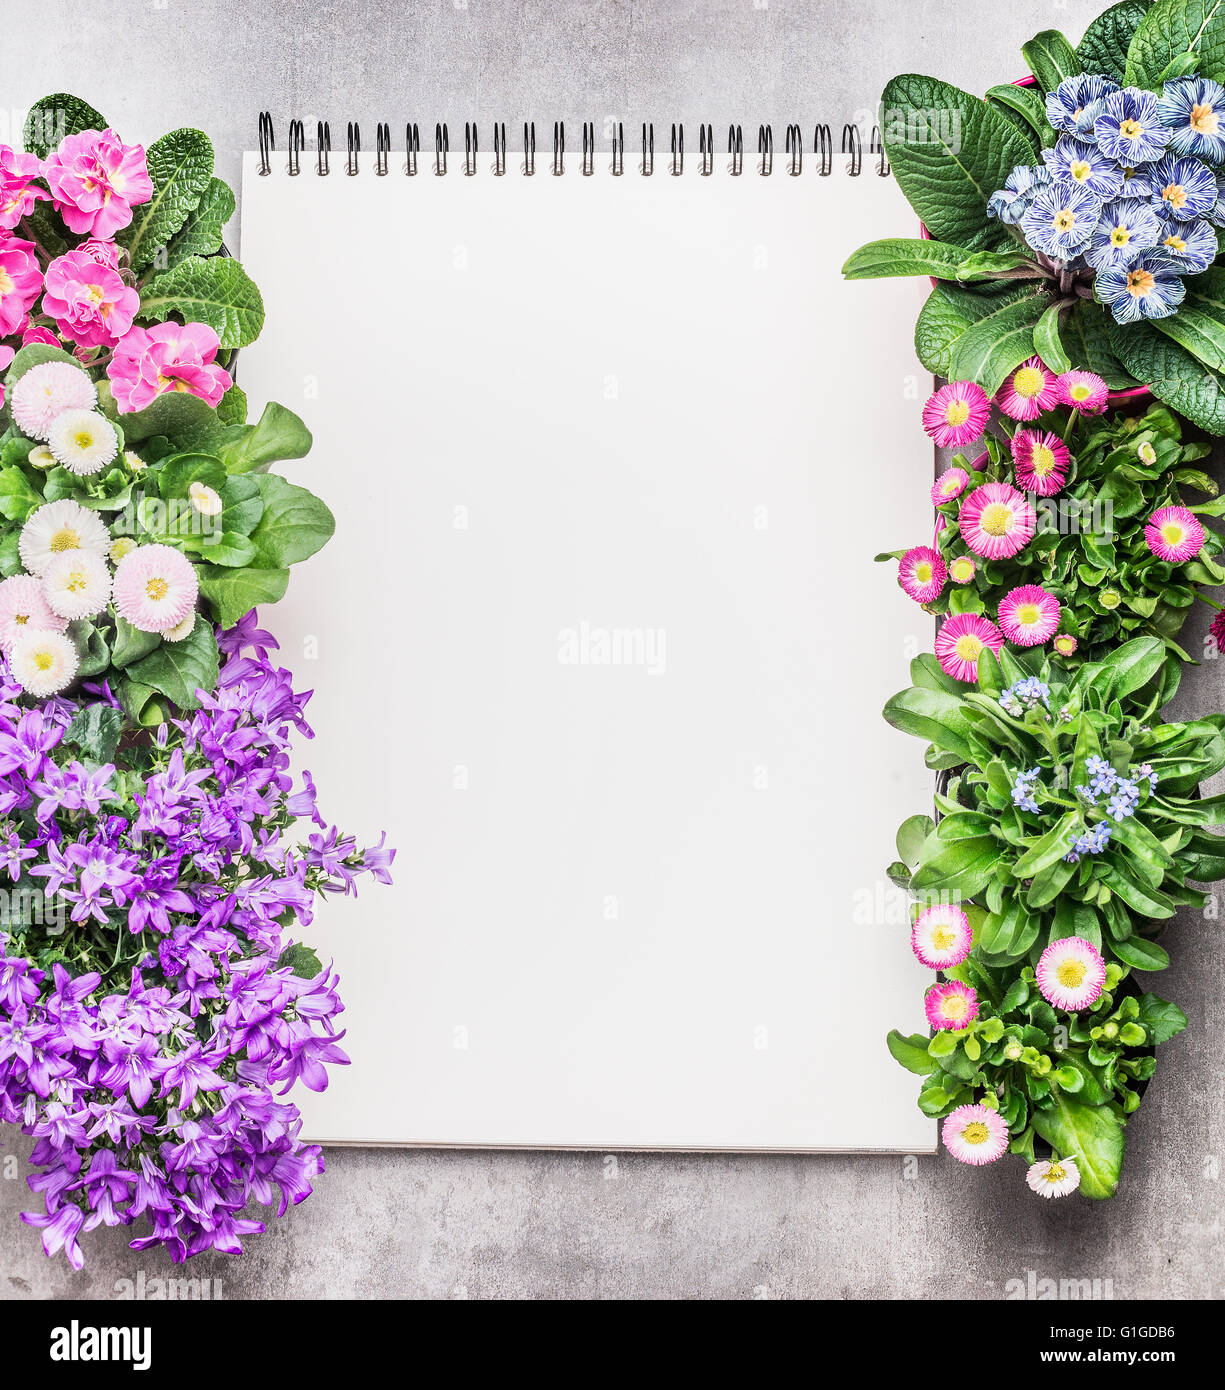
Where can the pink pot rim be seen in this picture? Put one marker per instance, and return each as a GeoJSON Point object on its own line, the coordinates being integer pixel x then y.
{"type": "Point", "coordinates": [1133, 393]}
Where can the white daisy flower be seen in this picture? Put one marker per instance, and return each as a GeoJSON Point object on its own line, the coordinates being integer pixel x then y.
{"type": "Point", "coordinates": [83, 441]}
{"type": "Point", "coordinates": [204, 499]}
{"type": "Point", "coordinates": [77, 584]}
{"type": "Point", "coordinates": [58, 526]}
{"type": "Point", "coordinates": [182, 630]}
{"type": "Point", "coordinates": [1054, 1179]}
{"type": "Point", "coordinates": [23, 608]}
{"type": "Point", "coordinates": [46, 391]}
{"type": "Point", "coordinates": [41, 457]}
{"type": "Point", "coordinates": [44, 663]}
{"type": "Point", "coordinates": [121, 547]}
{"type": "Point", "coordinates": [134, 461]}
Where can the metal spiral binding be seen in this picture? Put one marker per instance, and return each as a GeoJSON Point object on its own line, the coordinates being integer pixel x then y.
{"type": "Point", "coordinates": [297, 143]}
{"type": "Point", "coordinates": [795, 149]}
{"type": "Point", "coordinates": [853, 146]}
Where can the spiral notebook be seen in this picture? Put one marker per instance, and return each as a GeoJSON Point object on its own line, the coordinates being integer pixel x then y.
{"type": "Point", "coordinates": [599, 641]}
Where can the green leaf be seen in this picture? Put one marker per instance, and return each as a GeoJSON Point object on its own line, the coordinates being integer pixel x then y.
{"type": "Point", "coordinates": [295, 524]}
{"type": "Point", "coordinates": [1187, 385]}
{"type": "Point", "coordinates": [1051, 847]}
{"type": "Point", "coordinates": [901, 256]}
{"type": "Point", "coordinates": [911, 1052]}
{"type": "Point", "coordinates": [92, 650]}
{"type": "Point", "coordinates": [1172, 28]}
{"type": "Point", "coordinates": [17, 498]}
{"type": "Point", "coordinates": [178, 669]}
{"type": "Point", "coordinates": [175, 414]}
{"type": "Point", "coordinates": [1161, 1019]}
{"type": "Point", "coordinates": [1198, 330]}
{"type": "Point", "coordinates": [988, 350]}
{"type": "Point", "coordinates": [131, 644]}
{"type": "Point", "coordinates": [1103, 48]}
{"type": "Point", "coordinates": [50, 119]}
{"type": "Point", "coordinates": [1051, 59]}
{"type": "Point", "coordinates": [1085, 333]}
{"type": "Point", "coordinates": [1093, 1134]}
{"type": "Point", "coordinates": [95, 731]}
{"type": "Point", "coordinates": [1140, 953]}
{"type": "Point", "coordinates": [201, 233]}
{"type": "Point", "coordinates": [934, 715]}
{"type": "Point", "coordinates": [301, 960]}
{"type": "Point", "coordinates": [1132, 665]}
{"type": "Point", "coordinates": [1047, 343]}
{"type": "Point", "coordinates": [910, 837]}
{"type": "Point", "coordinates": [962, 867]}
{"type": "Point", "coordinates": [233, 592]}
{"type": "Point", "coordinates": [278, 435]}
{"type": "Point", "coordinates": [950, 152]}
{"type": "Point", "coordinates": [1028, 104]}
{"type": "Point", "coordinates": [181, 167]}
{"type": "Point", "coordinates": [214, 290]}
{"type": "Point", "coordinates": [951, 310]}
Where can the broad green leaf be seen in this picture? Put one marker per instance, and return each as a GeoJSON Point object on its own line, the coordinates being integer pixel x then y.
{"type": "Point", "coordinates": [176, 474]}
{"type": "Point", "coordinates": [294, 525]}
{"type": "Point", "coordinates": [1133, 665]}
{"type": "Point", "coordinates": [178, 669]}
{"type": "Point", "coordinates": [1140, 953]}
{"type": "Point", "coordinates": [301, 960]}
{"type": "Point", "coordinates": [1161, 1020]}
{"type": "Point", "coordinates": [201, 233]}
{"type": "Point", "coordinates": [131, 644]}
{"type": "Point", "coordinates": [933, 715]}
{"type": "Point", "coordinates": [17, 498]}
{"type": "Point", "coordinates": [1085, 334]}
{"type": "Point", "coordinates": [50, 119]}
{"type": "Point", "coordinates": [93, 654]}
{"type": "Point", "coordinates": [949, 311]}
{"type": "Point", "coordinates": [95, 731]}
{"type": "Point", "coordinates": [1051, 847]}
{"type": "Point", "coordinates": [911, 1052]}
{"type": "Point", "coordinates": [1051, 59]}
{"type": "Point", "coordinates": [1198, 330]}
{"type": "Point", "coordinates": [176, 414]}
{"type": "Point", "coordinates": [1187, 385]}
{"type": "Point", "coordinates": [142, 704]}
{"type": "Point", "coordinates": [181, 167]}
{"type": "Point", "coordinates": [901, 256]}
{"type": "Point", "coordinates": [910, 837]}
{"type": "Point", "coordinates": [962, 867]}
{"type": "Point", "coordinates": [1172, 28]}
{"type": "Point", "coordinates": [1028, 104]}
{"type": "Point", "coordinates": [1103, 47]}
{"type": "Point", "coordinates": [233, 592]}
{"type": "Point", "coordinates": [950, 152]}
{"type": "Point", "coordinates": [1092, 1134]}
{"type": "Point", "coordinates": [988, 350]}
{"type": "Point", "coordinates": [1047, 342]}
{"type": "Point", "coordinates": [214, 290]}
{"type": "Point", "coordinates": [278, 435]}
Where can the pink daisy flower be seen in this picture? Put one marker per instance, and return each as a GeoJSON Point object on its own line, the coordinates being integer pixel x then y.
{"type": "Point", "coordinates": [941, 936]}
{"type": "Point", "coordinates": [1083, 391]}
{"type": "Point", "coordinates": [1028, 391]}
{"type": "Point", "coordinates": [1218, 631]}
{"type": "Point", "coordinates": [962, 570]}
{"type": "Point", "coordinates": [1071, 973]}
{"type": "Point", "coordinates": [951, 1005]}
{"type": "Point", "coordinates": [1065, 644]}
{"type": "Point", "coordinates": [997, 521]}
{"type": "Point", "coordinates": [1029, 615]}
{"type": "Point", "coordinates": [1174, 533]}
{"type": "Point", "coordinates": [960, 642]}
{"type": "Point", "coordinates": [950, 484]}
{"type": "Point", "coordinates": [155, 587]}
{"type": "Point", "coordinates": [24, 608]}
{"type": "Point", "coordinates": [921, 573]}
{"type": "Point", "coordinates": [1042, 461]}
{"type": "Point", "coordinates": [975, 1134]}
{"type": "Point", "coordinates": [956, 414]}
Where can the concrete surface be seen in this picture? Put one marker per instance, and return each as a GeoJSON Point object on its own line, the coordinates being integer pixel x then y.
{"type": "Point", "coordinates": [386, 1223]}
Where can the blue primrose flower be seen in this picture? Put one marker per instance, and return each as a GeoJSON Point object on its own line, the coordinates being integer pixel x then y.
{"type": "Point", "coordinates": [1126, 228]}
{"type": "Point", "coordinates": [1150, 288]}
{"type": "Point", "coordinates": [1136, 184]}
{"type": "Point", "coordinates": [1061, 219]}
{"type": "Point", "coordinates": [1194, 110]}
{"type": "Point", "coordinates": [1182, 188]}
{"type": "Point", "coordinates": [1083, 163]}
{"type": "Point", "coordinates": [1191, 246]}
{"type": "Point", "coordinates": [1022, 186]}
{"type": "Point", "coordinates": [1075, 104]}
{"type": "Point", "coordinates": [1128, 128]}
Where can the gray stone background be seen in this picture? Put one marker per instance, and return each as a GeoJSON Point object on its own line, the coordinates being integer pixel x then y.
{"type": "Point", "coordinates": [395, 1223]}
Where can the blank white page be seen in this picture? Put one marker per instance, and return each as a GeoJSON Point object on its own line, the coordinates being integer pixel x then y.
{"type": "Point", "coordinates": [600, 643]}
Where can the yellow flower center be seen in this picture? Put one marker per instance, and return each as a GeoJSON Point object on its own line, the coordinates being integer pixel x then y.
{"type": "Point", "coordinates": [996, 519]}
{"type": "Point", "coordinates": [44, 660]}
{"type": "Point", "coordinates": [1071, 973]}
{"type": "Point", "coordinates": [1029, 381]}
{"type": "Point", "coordinates": [64, 539]}
{"type": "Point", "coordinates": [957, 413]}
{"type": "Point", "coordinates": [1109, 598]}
{"type": "Point", "coordinates": [968, 648]}
{"type": "Point", "coordinates": [1172, 533]}
{"type": "Point", "coordinates": [83, 439]}
{"type": "Point", "coordinates": [962, 570]}
{"type": "Point", "coordinates": [923, 571]}
{"type": "Point", "coordinates": [1042, 461]}
{"type": "Point", "coordinates": [21, 619]}
{"type": "Point", "coordinates": [1174, 194]}
{"type": "Point", "coordinates": [1120, 236]}
{"type": "Point", "coordinates": [1064, 220]}
{"type": "Point", "coordinates": [157, 588]}
{"type": "Point", "coordinates": [1080, 169]}
{"type": "Point", "coordinates": [1140, 283]}
{"type": "Point", "coordinates": [1027, 614]}
{"type": "Point", "coordinates": [76, 581]}
{"type": "Point", "coordinates": [1055, 1173]}
{"type": "Point", "coordinates": [1130, 129]}
{"type": "Point", "coordinates": [976, 1133]}
{"type": "Point", "coordinates": [94, 295]}
{"type": "Point", "coordinates": [943, 938]}
{"type": "Point", "coordinates": [1204, 120]}
{"type": "Point", "coordinates": [1080, 392]}
{"type": "Point", "coordinates": [1175, 242]}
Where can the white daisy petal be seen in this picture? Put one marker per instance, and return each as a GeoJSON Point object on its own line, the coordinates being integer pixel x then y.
{"type": "Point", "coordinates": [77, 584]}
{"type": "Point", "coordinates": [83, 441]}
{"type": "Point", "coordinates": [59, 526]}
{"type": "Point", "coordinates": [44, 663]}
